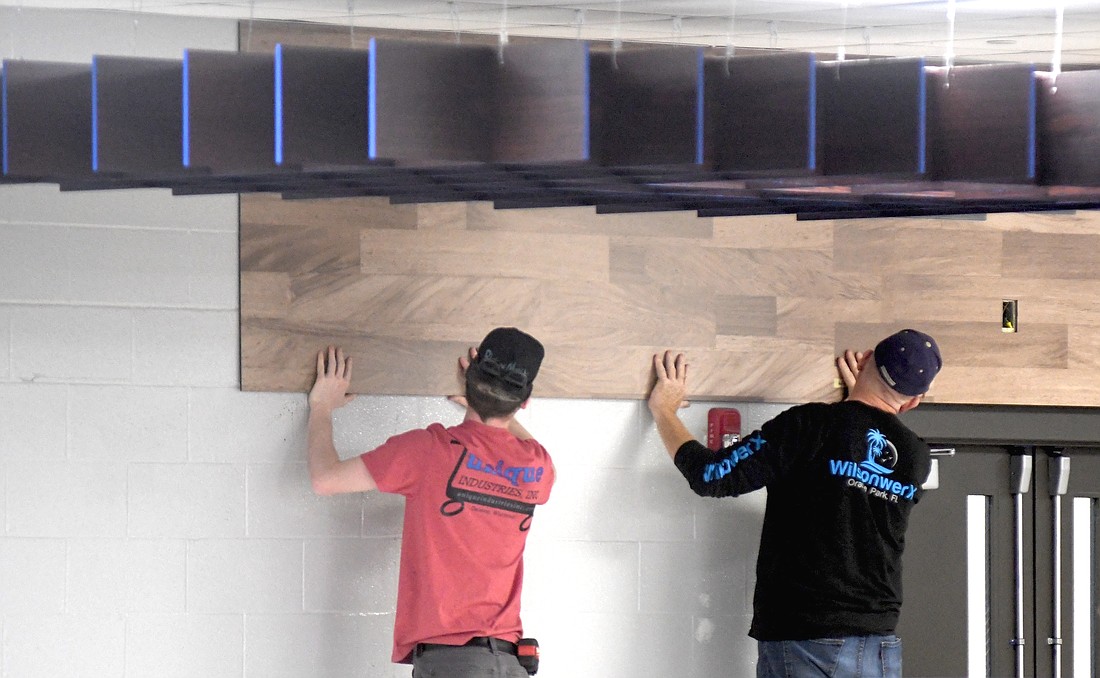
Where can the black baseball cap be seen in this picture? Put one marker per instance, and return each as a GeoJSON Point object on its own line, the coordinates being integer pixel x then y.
{"type": "Point", "coordinates": [908, 361]}
{"type": "Point", "coordinates": [510, 358]}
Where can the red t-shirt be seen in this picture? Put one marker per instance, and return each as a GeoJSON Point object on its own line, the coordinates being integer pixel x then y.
{"type": "Point", "coordinates": [470, 493]}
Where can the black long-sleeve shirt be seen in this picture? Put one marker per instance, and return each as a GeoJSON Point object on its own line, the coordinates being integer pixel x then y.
{"type": "Point", "coordinates": [841, 481]}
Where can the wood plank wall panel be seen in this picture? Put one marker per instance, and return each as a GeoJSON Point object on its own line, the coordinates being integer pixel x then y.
{"type": "Point", "coordinates": [761, 304]}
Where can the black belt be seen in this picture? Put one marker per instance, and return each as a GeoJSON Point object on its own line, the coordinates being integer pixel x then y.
{"type": "Point", "coordinates": [495, 644]}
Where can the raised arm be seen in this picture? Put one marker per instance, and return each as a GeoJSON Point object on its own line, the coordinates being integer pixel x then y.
{"type": "Point", "coordinates": [328, 474]}
{"type": "Point", "coordinates": [729, 472]}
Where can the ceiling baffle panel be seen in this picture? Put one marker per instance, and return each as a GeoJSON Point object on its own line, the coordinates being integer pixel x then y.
{"type": "Point", "coordinates": [872, 116]}
{"type": "Point", "coordinates": [1069, 141]}
{"type": "Point", "coordinates": [760, 113]}
{"type": "Point", "coordinates": [322, 107]}
{"type": "Point", "coordinates": [982, 123]}
{"type": "Point", "coordinates": [47, 120]}
{"type": "Point", "coordinates": [647, 106]}
{"type": "Point", "coordinates": [137, 113]}
{"type": "Point", "coordinates": [229, 113]}
{"type": "Point", "coordinates": [562, 122]}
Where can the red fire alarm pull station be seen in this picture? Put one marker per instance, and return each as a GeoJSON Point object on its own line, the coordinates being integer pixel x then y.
{"type": "Point", "coordinates": [723, 427]}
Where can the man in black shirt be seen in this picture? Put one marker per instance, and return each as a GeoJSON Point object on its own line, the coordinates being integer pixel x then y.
{"type": "Point", "coordinates": [841, 481]}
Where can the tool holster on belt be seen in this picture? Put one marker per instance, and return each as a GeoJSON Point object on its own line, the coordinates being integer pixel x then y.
{"type": "Point", "coordinates": [527, 651]}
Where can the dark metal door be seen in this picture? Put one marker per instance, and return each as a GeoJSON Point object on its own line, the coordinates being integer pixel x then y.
{"type": "Point", "coordinates": [965, 614]}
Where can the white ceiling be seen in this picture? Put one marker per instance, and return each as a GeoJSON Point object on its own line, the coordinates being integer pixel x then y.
{"type": "Point", "coordinates": [984, 30]}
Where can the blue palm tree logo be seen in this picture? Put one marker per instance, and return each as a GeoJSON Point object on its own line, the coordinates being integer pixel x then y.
{"type": "Point", "coordinates": [881, 453]}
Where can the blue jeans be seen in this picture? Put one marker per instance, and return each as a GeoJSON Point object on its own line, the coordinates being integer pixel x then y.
{"type": "Point", "coordinates": [850, 657]}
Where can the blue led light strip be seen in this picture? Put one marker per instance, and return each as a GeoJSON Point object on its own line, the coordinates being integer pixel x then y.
{"type": "Point", "coordinates": [699, 101]}
{"type": "Point", "coordinates": [372, 102]}
{"type": "Point", "coordinates": [922, 118]}
{"type": "Point", "coordinates": [4, 116]}
{"type": "Point", "coordinates": [279, 104]}
{"type": "Point", "coordinates": [1031, 125]}
{"type": "Point", "coordinates": [812, 150]}
{"type": "Point", "coordinates": [587, 139]}
{"type": "Point", "coordinates": [186, 109]}
{"type": "Point", "coordinates": [95, 116]}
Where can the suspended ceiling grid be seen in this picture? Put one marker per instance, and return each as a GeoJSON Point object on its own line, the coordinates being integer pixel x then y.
{"type": "Point", "coordinates": [984, 30]}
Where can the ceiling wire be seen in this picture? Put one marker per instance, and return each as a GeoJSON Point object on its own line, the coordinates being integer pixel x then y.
{"type": "Point", "coordinates": [135, 8]}
{"type": "Point", "coordinates": [251, 18]}
{"type": "Point", "coordinates": [729, 34]}
{"type": "Point", "coordinates": [456, 23]}
{"type": "Point", "coordinates": [949, 51]}
{"type": "Point", "coordinates": [843, 31]}
{"type": "Point", "coordinates": [503, 31]}
{"type": "Point", "coordinates": [16, 28]}
{"type": "Point", "coordinates": [617, 42]}
{"type": "Point", "coordinates": [1056, 60]}
{"type": "Point", "coordinates": [351, 21]}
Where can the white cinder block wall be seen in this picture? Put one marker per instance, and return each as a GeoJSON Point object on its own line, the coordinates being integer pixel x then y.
{"type": "Point", "coordinates": [159, 522]}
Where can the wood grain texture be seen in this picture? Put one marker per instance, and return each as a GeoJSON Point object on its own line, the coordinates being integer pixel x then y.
{"type": "Point", "coordinates": [1053, 255]}
{"type": "Point", "coordinates": [466, 253]}
{"type": "Point", "coordinates": [760, 304]}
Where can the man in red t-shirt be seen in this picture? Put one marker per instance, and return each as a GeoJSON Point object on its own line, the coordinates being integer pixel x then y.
{"type": "Point", "coordinates": [470, 493]}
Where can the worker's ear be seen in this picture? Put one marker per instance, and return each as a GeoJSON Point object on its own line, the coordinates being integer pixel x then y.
{"type": "Point", "coordinates": [910, 404]}
{"type": "Point", "coordinates": [523, 405]}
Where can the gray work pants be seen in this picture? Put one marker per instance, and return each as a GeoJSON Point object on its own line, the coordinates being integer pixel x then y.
{"type": "Point", "coordinates": [466, 662]}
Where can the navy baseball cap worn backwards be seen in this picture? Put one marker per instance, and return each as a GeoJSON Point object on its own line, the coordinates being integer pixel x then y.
{"type": "Point", "coordinates": [908, 361]}
{"type": "Point", "coordinates": [511, 358]}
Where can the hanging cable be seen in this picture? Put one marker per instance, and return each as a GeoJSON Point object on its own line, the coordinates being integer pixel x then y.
{"type": "Point", "coordinates": [1056, 60]}
{"type": "Point", "coordinates": [251, 18]}
{"type": "Point", "coordinates": [456, 24]}
{"type": "Point", "coordinates": [135, 8]}
{"type": "Point", "coordinates": [729, 34]}
{"type": "Point", "coordinates": [617, 42]}
{"type": "Point", "coordinates": [843, 31]}
{"type": "Point", "coordinates": [351, 21]}
{"type": "Point", "coordinates": [949, 51]}
{"type": "Point", "coordinates": [16, 28]}
{"type": "Point", "coordinates": [503, 31]}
